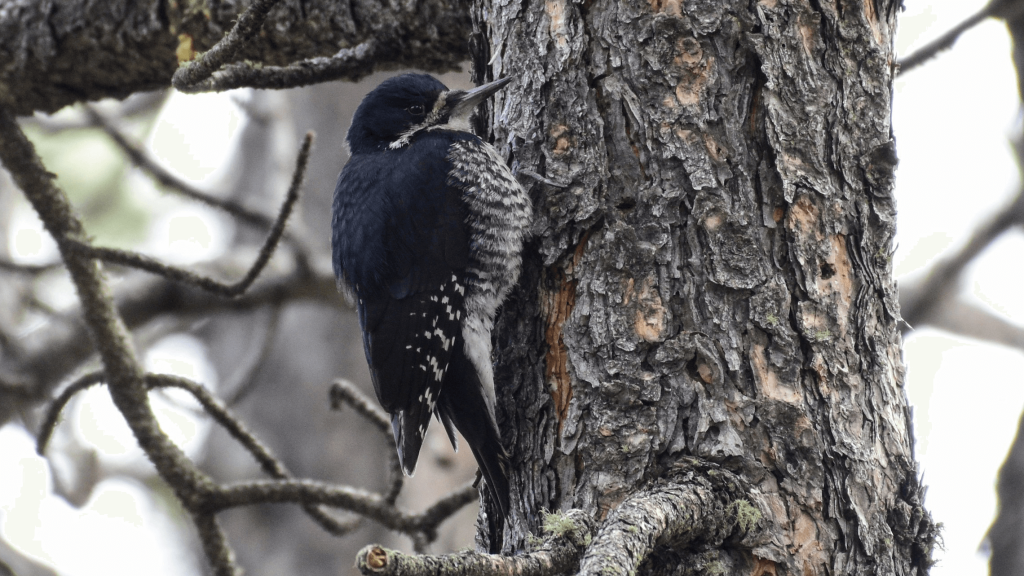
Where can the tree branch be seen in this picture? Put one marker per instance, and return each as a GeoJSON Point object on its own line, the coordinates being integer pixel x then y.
{"type": "Point", "coordinates": [361, 502]}
{"type": "Point", "coordinates": [59, 348]}
{"type": "Point", "coordinates": [350, 64]}
{"type": "Point", "coordinates": [918, 300]}
{"type": "Point", "coordinates": [215, 545]}
{"type": "Point", "coordinates": [109, 334]}
{"type": "Point", "coordinates": [267, 461]}
{"type": "Point", "coordinates": [64, 57]}
{"type": "Point", "coordinates": [56, 407]}
{"type": "Point", "coordinates": [227, 49]}
{"type": "Point", "coordinates": [1005, 9]}
{"type": "Point", "coordinates": [559, 554]}
{"type": "Point", "coordinates": [345, 392]}
{"type": "Point", "coordinates": [141, 158]}
{"type": "Point", "coordinates": [699, 504]}
{"type": "Point", "coordinates": [142, 262]}
{"type": "Point", "coordinates": [214, 499]}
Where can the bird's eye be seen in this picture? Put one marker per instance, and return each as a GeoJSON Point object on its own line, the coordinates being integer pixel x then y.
{"type": "Point", "coordinates": [415, 109]}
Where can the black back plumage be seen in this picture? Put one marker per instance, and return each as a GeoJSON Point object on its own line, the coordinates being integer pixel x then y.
{"type": "Point", "coordinates": [404, 260]}
{"type": "Point", "coordinates": [406, 237]}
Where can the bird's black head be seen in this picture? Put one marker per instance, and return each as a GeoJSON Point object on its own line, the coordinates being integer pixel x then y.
{"type": "Point", "coordinates": [400, 107]}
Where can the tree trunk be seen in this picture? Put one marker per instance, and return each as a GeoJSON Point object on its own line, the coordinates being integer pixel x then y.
{"type": "Point", "coordinates": [710, 277]}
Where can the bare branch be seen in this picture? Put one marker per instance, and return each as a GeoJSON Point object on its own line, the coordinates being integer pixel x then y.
{"type": "Point", "coordinates": [1005, 9]}
{"type": "Point", "coordinates": [243, 380]}
{"type": "Point", "coordinates": [225, 51]}
{"type": "Point", "coordinates": [267, 461]}
{"type": "Point", "coordinates": [343, 391]}
{"type": "Point", "coordinates": [558, 555]}
{"type": "Point", "coordinates": [308, 492]}
{"type": "Point", "coordinates": [9, 266]}
{"type": "Point", "coordinates": [444, 508]}
{"type": "Point", "coordinates": [108, 331]}
{"type": "Point", "coordinates": [57, 406]}
{"type": "Point", "coordinates": [215, 545]}
{"type": "Point", "coordinates": [138, 155]}
{"type": "Point", "coordinates": [350, 64]}
{"type": "Point", "coordinates": [943, 42]}
{"type": "Point", "coordinates": [216, 410]}
{"type": "Point", "coordinates": [919, 300]}
{"type": "Point", "coordinates": [960, 317]}
{"type": "Point", "coordinates": [142, 262]}
{"type": "Point", "coordinates": [368, 504]}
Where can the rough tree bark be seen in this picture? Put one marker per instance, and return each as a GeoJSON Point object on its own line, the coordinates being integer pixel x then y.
{"type": "Point", "coordinates": [57, 53]}
{"type": "Point", "coordinates": [711, 275]}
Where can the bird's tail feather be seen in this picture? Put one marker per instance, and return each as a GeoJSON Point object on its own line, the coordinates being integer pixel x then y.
{"type": "Point", "coordinates": [462, 403]}
{"type": "Point", "coordinates": [409, 427]}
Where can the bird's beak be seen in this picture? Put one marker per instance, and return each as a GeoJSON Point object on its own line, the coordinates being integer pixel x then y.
{"type": "Point", "coordinates": [467, 100]}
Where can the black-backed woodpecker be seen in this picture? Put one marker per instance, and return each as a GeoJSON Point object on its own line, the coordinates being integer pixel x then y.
{"type": "Point", "coordinates": [427, 231]}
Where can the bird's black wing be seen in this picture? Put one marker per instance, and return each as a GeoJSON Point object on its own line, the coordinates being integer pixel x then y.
{"type": "Point", "coordinates": [407, 265]}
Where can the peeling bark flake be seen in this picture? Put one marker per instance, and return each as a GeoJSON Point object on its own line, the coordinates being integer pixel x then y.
{"type": "Point", "coordinates": [556, 306]}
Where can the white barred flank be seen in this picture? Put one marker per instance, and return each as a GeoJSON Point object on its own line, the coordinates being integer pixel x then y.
{"type": "Point", "coordinates": [499, 216]}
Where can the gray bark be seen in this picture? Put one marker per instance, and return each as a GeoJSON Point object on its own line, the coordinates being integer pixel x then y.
{"type": "Point", "coordinates": [57, 53]}
{"type": "Point", "coordinates": [714, 279]}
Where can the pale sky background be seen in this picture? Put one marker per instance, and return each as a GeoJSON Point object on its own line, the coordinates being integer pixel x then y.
{"type": "Point", "coordinates": [953, 118]}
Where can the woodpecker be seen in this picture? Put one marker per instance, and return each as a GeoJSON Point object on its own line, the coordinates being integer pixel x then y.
{"type": "Point", "coordinates": [428, 227]}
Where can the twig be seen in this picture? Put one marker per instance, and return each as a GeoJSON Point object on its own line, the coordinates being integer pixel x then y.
{"type": "Point", "coordinates": [946, 41]}
{"type": "Point", "coordinates": [368, 504]}
{"type": "Point", "coordinates": [244, 380]}
{"type": "Point", "coordinates": [247, 26]}
{"type": "Point", "coordinates": [216, 410]}
{"type": "Point", "coordinates": [57, 406]}
{"type": "Point", "coordinates": [215, 545]}
{"type": "Point", "coordinates": [558, 555]}
{"type": "Point", "coordinates": [137, 104]}
{"type": "Point", "coordinates": [343, 391]}
{"type": "Point", "coordinates": [9, 266]}
{"type": "Point", "coordinates": [267, 461]}
{"type": "Point", "coordinates": [448, 505]}
{"type": "Point", "coordinates": [109, 334]}
{"type": "Point", "coordinates": [135, 260]}
{"type": "Point", "coordinates": [350, 64]}
{"type": "Point", "coordinates": [138, 155]}
{"type": "Point", "coordinates": [920, 299]}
